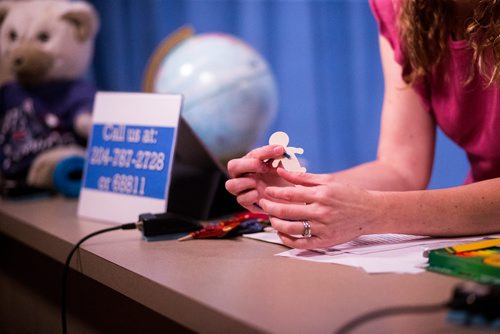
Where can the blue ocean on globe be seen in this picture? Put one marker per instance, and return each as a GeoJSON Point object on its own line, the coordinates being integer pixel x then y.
{"type": "Point", "coordinates": [230, 95]}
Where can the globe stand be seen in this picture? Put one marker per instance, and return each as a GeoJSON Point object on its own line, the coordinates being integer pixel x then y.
{"type": "Point", "coordinates": [160, 53]}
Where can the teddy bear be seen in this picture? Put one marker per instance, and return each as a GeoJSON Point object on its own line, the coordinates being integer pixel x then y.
{"type": "Point", "coordinates": [45, 111]}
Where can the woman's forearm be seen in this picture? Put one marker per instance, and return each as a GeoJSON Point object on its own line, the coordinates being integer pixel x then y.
{"type": "Point", "coordinates": [376, 175]}
{"type": "Point", "coordinates": [465, 210]}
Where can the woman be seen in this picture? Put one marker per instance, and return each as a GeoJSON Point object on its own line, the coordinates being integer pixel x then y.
{"type": "Point", "coordinates": [441, 65]}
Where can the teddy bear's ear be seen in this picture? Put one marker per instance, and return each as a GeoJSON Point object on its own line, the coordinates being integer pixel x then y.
{"type": "Point", "coordinates": [4, 10]}
{"type": "Point", "coordinates": [85, 21]}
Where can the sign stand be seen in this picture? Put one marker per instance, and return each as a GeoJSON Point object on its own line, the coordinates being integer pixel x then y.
{"type": "Point", "coordinates": [197, 187]}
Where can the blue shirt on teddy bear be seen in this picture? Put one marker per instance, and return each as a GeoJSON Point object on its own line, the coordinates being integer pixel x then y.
{"type": "Point", "coordinates": [35, 119]}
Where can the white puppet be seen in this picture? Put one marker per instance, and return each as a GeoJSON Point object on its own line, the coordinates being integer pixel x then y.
{"type": "Point", "coordinates": [289, 161]}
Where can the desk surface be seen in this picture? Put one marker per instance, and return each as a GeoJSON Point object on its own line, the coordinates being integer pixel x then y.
{"type": "Point", "coordinates": [232, 285]}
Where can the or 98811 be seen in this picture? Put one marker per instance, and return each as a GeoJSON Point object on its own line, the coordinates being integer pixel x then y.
{"type": "Point", "coordinates": [128, 184]}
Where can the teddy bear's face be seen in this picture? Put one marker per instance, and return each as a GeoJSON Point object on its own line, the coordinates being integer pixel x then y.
{"type": "Point", "coordinates": [47, 40]}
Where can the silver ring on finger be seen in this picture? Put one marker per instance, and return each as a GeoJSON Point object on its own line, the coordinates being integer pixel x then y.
{"type": "Point", "coordinates": [307, 229]}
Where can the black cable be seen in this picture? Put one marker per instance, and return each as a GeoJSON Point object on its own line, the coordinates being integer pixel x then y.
{"type": "Point", "coordinates": [129, 226]}
{"type": "Point", "coordinates": [385, 312]}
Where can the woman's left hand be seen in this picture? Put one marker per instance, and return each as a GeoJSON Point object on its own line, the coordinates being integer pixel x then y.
{"type": "Point", "coordinates": [336, 212]}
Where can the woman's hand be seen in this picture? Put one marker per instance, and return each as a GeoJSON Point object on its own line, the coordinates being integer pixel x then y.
{"type": "Point", "coordinates": [336, 212]}
{"type": "Point", "coordinates": [252, 174]}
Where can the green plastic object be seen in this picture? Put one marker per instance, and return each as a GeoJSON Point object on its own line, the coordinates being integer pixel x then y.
{"type": "Point", "coordinates": [475, 263]}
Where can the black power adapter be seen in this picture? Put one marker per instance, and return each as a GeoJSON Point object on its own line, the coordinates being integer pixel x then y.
{"type": "Point", "coordinates": [161, 225]}
{"type": "Point", "coordinates": [475, 304]}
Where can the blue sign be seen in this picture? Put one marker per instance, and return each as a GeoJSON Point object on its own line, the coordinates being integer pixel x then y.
{"type": "Point", "coordinates": [130, 160]}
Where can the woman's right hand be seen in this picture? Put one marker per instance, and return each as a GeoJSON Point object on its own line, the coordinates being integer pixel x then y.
{"type": "Point", "coordinates": [252, 174]}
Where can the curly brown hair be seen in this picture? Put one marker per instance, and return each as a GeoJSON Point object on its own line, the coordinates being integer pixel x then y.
{"type": "Point", "coordinates": [425, 27]}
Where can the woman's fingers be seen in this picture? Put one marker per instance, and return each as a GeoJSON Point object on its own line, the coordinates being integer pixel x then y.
{"type": "Point", "coordinates": [304, 179]}
{"type": "Point", "coordinates": [239, 185]}
{"type": "Point", "coordinates": [267, 152]}
{"type": "Point", "coordinates": [303, 243]}
{"type": "Point", "coordinates": [290, 211]}
{"type": "Point", "coordinates": [292, 233]}
{"type": "Point", "coordinates": [254, 161]}
{"type": "Point", "coordinates": [248, 200]}
{"type": "Point", "coordinates": [297, 194]}
{"type": "Point", "coordinates": [241, 167]}
{"type": "Point", "coordinates": [245, 191]}
{"type": "Point", "coordinates": [288, 226]}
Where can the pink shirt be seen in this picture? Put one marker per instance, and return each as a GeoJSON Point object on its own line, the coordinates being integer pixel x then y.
{"type": "Point", "coordinates": [469, 115]}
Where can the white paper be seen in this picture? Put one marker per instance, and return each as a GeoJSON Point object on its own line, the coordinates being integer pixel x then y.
{"type": "Point", "coordinates": [408, 261]}
{"type": "Point", "coordinates": [377, 253]}
{"type": "Point", "coordinates": [269, 235]}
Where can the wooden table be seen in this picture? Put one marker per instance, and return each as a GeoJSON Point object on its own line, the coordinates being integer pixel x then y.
{"type": "Point", "coordinates": [122, 283]}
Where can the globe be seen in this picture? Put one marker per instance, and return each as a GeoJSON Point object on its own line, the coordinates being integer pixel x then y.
{"type": "Point", "coordinates": [229, 92]}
